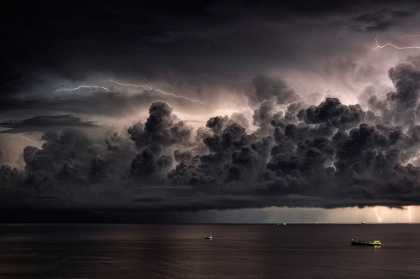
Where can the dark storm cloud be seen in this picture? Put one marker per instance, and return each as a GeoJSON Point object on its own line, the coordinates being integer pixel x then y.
{"type": "Point", "coordinates": [324, 155]}
{"type": "Point", "coordinates": [44, 123]}
{"type": "Point", "coordinates": [112, 104]}
{"type": "Point", "coordinates": [406, 79]}
{"type": "Point", "coordinates": [196, 47]}
{"type": "Point", "coordinates": [268, 88]}
{"type": "Point", "coordinates": [162, 128]}
{"type": "Point", "coordinates": [12, 83]}
{"type": "Point", "coordinates": [156, 38]}
{"type": "Point", "coordinates": [400, 106]}
{"type": "Point", "coordinates": [157, 138]}
{"type": "Point", "coordinates": [67, 163]}
{"type": "Point", "coordinates": [182, 155]}
{"type": "Point", "coordinates": [331, 111]}
{"type": "Point", "coordinates": [300, 151]}
{"type": "Point", "coordinates": [382, 20]}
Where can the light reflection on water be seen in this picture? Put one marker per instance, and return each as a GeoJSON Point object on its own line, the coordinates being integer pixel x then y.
{"type": "Point", "coordinates": [180, 251]}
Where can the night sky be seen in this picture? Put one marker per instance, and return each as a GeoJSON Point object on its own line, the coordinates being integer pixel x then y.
{"type": "Point", "coordinates": [159, 111]}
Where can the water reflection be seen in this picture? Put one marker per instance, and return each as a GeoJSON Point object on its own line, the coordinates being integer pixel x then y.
{"type": "Point", "coordinates": [180, 251]}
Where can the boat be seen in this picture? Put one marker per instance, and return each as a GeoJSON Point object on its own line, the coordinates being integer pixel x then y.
{"type": "Point", "coordinates": [366, 243]}
{"type": "Point", "coordinates": [208, 237]}
{"type": "Point", "coordinates": [363, 223]}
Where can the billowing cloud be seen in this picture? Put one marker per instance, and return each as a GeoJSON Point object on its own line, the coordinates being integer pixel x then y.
{"type": "Point", "coordinates": [269, 105]}
{"type": "Point", "coordinates": [271, 89]}
{"type": "Point", "coordinates": [324, 155]}
{"type": "Point", "coordinates": [382, 20]}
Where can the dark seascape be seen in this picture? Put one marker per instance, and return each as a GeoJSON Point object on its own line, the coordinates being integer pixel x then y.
{"type": "Point", "coordinates": [180, 251]}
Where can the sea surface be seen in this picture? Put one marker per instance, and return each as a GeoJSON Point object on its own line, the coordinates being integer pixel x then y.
{"type": "Point", "coordinates": [180, 251]}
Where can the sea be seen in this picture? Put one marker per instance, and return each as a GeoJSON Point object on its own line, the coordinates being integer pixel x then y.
{"type": "Point", "coordinates": [180, 251]}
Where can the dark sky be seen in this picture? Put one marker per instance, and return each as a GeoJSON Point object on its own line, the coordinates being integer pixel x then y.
{"type": "Point", "coordinates": [146, 109]}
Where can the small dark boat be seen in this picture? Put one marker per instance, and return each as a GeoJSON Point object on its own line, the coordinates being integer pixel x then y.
{"type": "Point", "coordinates": [208, 237]}
{"type": "Point", "coordinates": [366, 243]}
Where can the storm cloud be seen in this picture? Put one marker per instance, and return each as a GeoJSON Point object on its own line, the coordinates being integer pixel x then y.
{"type": "Point", "coordinates": [43, 123]}
{"type": "Point", "coordinates": [325, 152]}
{"type": "Point", "coordinates": [211, 105]}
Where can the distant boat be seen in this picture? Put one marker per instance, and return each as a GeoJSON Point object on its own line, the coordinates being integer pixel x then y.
{"type": "Point", "coordinates": [284, 224]}
{"type": "Point", "coordinates": [366, 243]}
{"type": "Point", "coordinates": [208, 237]}
{"type": "Point", "coordinates": [363, 223]}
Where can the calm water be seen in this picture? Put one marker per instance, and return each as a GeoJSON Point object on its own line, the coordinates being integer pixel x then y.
{"type": "Point", "coordinates": [180, 251]}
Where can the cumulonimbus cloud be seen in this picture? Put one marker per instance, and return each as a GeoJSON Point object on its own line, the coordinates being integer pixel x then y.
{"type": "Point", "coordinates": [326, 154]}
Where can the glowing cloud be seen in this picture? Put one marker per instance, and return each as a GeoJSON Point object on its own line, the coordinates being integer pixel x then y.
{"type": "Point", "coordinates": [188, 115]}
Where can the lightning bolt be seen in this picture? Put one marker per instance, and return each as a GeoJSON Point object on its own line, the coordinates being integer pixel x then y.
{"type": "Point", "coordinates": [169, 85]}
{"type": "Point", "coordinates": [377, 215]}
{"type": "Point", "coordinates": [81, 87]}
{"type": "Point", "coordinates": [130, 85]}
{"type": "Point", "coordinates": [342, 32]}
{"type": "Point", "coordinates": [391, 43]}
{"type": "Point", "coordinates": [181, 113]}
{"type": "Point", "coordinates": [188, 115]}
{"type": "Point", "coordinates": [22, 137]}
{"type": "Point", "coordinates": [409, 213]}
{"type": "Point", "coordinates": [145, 87]}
